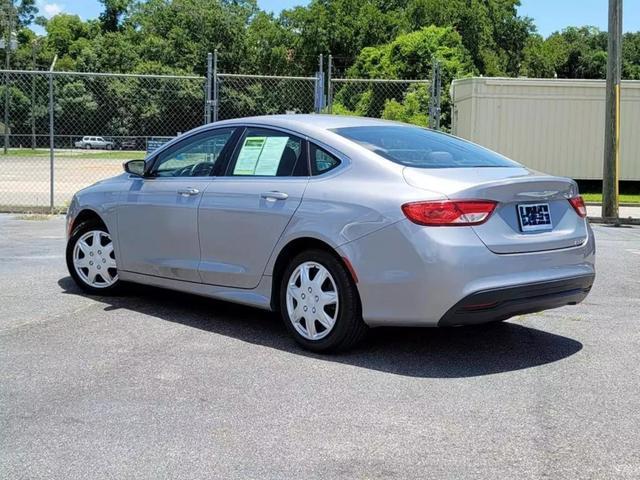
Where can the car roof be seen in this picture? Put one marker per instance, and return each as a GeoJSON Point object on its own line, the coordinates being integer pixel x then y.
{"type": "Point", "coordinates": [308, 123]}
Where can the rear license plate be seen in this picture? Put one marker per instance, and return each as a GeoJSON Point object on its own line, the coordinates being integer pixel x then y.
{"type": "Point", "coordinates": [534, 217]}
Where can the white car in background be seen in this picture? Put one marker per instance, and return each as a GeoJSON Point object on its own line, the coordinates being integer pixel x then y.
{"type": "Point", "coordinates": [94, 142]}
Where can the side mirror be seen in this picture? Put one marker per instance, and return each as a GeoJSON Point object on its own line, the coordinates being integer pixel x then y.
{"type": "Point", "coordinates": [134, 167]}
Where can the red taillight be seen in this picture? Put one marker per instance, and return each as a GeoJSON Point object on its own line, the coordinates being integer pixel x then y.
{"type": "Point", "coordinates": [578, 205]}
{"type": "Point", "coordinates": [453, 213]}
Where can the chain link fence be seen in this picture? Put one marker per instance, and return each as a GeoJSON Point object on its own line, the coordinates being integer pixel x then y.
{"type": "Point", "coordinates": [402, 100]}
{"type": "Point", "coordinates": [62, 131]}
{"type": "Point", "coordinates": [237, 95]}
{"type": "Point", "coordinates": [249, 95]}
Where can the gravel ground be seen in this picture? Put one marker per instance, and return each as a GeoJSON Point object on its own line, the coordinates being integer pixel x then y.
{"type": "Point", "coordinates": [157, 384]}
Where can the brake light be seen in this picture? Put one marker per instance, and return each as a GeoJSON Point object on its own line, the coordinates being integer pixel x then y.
{"type": "Point", "coordinates": [454, 213]}
{"type": "Point", "coordinates": [578, 205]}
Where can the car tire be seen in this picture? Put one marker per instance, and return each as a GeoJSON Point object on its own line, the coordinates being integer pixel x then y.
{"type": "Point", "coordinates": [109, 147]}
{"type": "Point", "coordinates": [310, 284]}
{"type": "Point", "coordinates": [91, 259]}
{"type": "Point", "coordinates": [87, 147]}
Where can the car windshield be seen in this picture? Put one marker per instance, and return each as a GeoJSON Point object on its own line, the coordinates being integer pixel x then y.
{"type": "Point", "coordinates": [421, 148]}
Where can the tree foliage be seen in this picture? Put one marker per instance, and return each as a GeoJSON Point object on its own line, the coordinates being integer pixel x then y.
{"type": "Point", "coordinates": [572, 53]}
{"type": "Point", "coordinates": [21, 12]}
{"type": "Point", "coordinates": [176, 35]}
{"type": "Point", "coordinates": [409, 56]}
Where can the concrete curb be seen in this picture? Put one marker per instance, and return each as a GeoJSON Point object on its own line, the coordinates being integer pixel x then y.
{"type": "Point", "coordinates": [615, 221]}
{"type": "Point", "coordinates": [36, 210]}
{"type": "Point", "coordinates": [622, 204]}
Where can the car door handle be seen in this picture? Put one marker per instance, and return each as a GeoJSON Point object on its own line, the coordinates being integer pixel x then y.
{"type": "Point", "coordinates": [188, 192]}
{"type": "Point", "coordinates": [274, 195]}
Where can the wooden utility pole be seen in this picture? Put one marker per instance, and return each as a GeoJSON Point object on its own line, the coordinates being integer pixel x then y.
{"type": "Point", "coordinates": [612, 120]}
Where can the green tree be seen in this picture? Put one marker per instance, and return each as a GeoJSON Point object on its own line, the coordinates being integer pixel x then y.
{"type": "Point", "coordinates": [21, 12]}
{"type": "Point", "coordinates": [75, 105]}
{"type": "Point", "coordinates": [342, 28]}
{"type": "Point", "coordinates": [180, 33]}
{"type": "Point", "coordinates": [411, 109]}
{"type": "Point", "coordinates": [63, 33]}
{"type": "Point", "coordinates": [269, 47]}
{"type": "Point", "coordinates": [409, 56]}
{"type": "Point", "coordinates": [491, 30]}
{"type": "Point", "coordinates": [573, 53]}
{"type": "Point", "coordinates": [113, 13]}
{"type": "Point", "coordinates": [631, 56]}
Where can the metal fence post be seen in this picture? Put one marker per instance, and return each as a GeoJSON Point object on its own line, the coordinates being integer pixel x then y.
{"type": "Point", "coordinates": [329, 84]}
{"type": "Point", "coordinates": [207, 98]}
{"type": "Point", "coordinates": [319, 94]}
{"type": "Point", "coordinates": [51, 133]}
{"type": "Point", "coordinates": [7, 93]}
{"type": "Point", "coordinates": [33, 98]}
{"type": "Point", "coordinates": [215, 85]}
{"type": "Point", "coordinates": [33, 112]}
{"type": "Point", "coordinates": [6, 111]}
{"type": "Point", "coordinates": [435, 97]}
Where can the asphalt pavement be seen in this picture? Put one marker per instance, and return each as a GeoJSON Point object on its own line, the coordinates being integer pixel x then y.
{"type": "Point", "coordinates": [156, 384]}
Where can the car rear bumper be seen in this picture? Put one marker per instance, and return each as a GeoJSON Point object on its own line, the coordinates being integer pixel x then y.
{"type": "Point", "coordinates": [503, 303]}
{"type": "Point", "coordinates": [414, 276]}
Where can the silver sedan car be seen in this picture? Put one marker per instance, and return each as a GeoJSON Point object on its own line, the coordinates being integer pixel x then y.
{"type": "Point", "coordinates": [340, 224]}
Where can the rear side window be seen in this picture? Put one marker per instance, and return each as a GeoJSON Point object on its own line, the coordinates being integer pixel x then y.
{"type": "Point", "coordinates": [421, 148]}
{"type": "Point", "coordinates": [322, 161]}
{"type": "Point", "coordinates": [269, 153]}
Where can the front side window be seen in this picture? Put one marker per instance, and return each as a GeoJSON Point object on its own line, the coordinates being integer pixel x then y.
{"type": "Point", "coordinates": [269, 153]}
{"type": "Point", "coordinates": [195, 157]}
{"type": "Point", "coordinates": [421, 148]}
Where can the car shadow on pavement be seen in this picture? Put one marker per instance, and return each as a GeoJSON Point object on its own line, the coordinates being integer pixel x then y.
{"type": "Point", "coordinates": [416, 352]}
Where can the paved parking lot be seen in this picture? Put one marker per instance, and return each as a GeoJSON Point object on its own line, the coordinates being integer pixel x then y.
{"type": "Point", "coordinates": [164, 385]}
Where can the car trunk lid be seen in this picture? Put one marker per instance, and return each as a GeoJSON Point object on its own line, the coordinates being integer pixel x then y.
{"type": "Point", "coordinates": [507, 230]}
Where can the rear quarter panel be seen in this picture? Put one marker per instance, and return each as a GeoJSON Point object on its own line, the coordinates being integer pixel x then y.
{"type": "Point", "coordinates": [356, 199]}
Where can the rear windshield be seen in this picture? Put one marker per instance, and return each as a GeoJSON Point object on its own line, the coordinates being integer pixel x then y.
{"type": "Point", "coordinates": [422, 148]}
